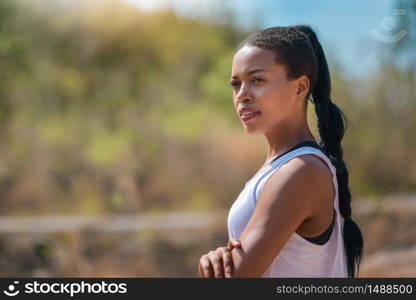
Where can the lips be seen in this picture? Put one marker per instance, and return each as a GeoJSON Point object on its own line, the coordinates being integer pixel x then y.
{"type": "Point", "coordinates": [247, 114]}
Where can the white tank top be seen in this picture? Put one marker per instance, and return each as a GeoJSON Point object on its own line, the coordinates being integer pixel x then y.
{"type": "Point", "coordinates": [298, 257]}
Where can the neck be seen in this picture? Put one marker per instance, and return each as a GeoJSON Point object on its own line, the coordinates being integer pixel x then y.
{"type": "Point", "coordinates": [286, 136]}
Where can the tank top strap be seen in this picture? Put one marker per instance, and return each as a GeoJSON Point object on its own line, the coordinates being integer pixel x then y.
{"type": "Point", "coordinates": [300, 145]}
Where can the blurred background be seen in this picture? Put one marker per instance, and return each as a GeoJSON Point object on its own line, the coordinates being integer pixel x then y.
{"type": "Point", "coordinates": [120, 150]}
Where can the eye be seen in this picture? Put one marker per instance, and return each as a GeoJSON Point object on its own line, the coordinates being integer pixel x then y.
{"type": "Point", "coordinates": [234, 83]}
{"type": "Point", "coordinates": [258, 79]}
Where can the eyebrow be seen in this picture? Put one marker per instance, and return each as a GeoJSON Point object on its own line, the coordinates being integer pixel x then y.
{"type": "Point", "coordinates": [251, 72]}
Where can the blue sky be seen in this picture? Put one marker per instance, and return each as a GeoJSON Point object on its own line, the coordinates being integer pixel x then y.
{"type": "Point", "coordinates": [346, 28]}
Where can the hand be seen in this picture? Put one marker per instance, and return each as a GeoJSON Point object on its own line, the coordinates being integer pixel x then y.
{"type": "Point", "coordinates": [218, 263]}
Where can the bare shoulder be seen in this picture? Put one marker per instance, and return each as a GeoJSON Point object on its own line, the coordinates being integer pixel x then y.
{"type": "Point", "coordinates": [305, 179]}
{"type": "Point", "coordinates": [306, 167]}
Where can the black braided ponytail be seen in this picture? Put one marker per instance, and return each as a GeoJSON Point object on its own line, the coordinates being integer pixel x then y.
{"type": "Point", "coordinates": [298, 48]}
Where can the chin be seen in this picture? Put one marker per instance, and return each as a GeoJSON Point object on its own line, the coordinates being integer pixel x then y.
{"type": "Point", "coordinates": [253, 130]}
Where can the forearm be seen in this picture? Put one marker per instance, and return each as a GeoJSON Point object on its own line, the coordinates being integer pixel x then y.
{"type": "Point", "coordinates": [246, 260]}
{"type": "Point", "coordinates": [241, 266]}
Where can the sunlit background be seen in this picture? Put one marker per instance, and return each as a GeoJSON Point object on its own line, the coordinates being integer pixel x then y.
{"type": "Point", "coordinates": [120, 151]}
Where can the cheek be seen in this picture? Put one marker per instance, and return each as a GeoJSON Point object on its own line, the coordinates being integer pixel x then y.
{"type": "Point", "coordinates": [274, 100]}
{"type": "Point", "coordinates": [277, 91]}
{"type": "Point", "coordinates": [278, 109]}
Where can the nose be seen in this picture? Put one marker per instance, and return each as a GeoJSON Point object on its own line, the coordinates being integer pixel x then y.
{"type": "Point", "coordinates": [243, 94]}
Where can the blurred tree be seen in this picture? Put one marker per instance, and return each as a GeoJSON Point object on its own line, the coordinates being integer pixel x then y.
{"type": "Point", "coordinates": [104, 108]}
{"type": "Point", "coordinates": [405, 47]}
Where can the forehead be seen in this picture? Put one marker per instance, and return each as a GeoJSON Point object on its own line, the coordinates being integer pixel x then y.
{"type": "Point", "coordinates": [250, 57]}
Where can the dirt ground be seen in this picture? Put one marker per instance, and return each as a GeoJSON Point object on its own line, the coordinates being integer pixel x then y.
{"type": "Point", "coordinates": [170, 246]}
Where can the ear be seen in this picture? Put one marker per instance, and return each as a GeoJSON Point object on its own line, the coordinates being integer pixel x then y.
{"type": "Point", "coordinates": [303, 85]}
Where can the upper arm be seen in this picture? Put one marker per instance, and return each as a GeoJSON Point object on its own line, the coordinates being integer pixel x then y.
{"type": "Point", "coordinates": [289, 197]}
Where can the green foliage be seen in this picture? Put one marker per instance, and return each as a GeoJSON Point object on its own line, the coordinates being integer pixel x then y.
{"type": "Point", "coordinates": [105, 108]}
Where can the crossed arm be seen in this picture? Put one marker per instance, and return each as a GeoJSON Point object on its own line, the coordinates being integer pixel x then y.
{"type": "Point", "coordinates": [290, 196]}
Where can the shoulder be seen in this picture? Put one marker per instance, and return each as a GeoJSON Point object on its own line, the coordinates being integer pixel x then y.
{"type": "Point", "coordinates": [307, 166]}
{"type": "Point", "coordinates": [304, 181]}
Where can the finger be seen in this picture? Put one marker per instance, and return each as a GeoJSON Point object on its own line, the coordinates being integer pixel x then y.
{"type": "Point", "coordinates": [201, 272]}
{"type": "Point", "coordinates": [227, 261]}
{"type": "Point", "coordinates": [206, 267]}
{"type": "Point", "coordinates": [233, 243]}
{"type": "Point", "coordinates": [216, 262]}
{"type": "Point", "coordinates": [236, 243]}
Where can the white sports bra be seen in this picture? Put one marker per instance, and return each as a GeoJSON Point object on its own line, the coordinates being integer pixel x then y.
{"type": "Point", "coordinates": [299, 257]}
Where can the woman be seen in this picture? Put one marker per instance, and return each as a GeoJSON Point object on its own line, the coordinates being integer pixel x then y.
{"type": "Point", "coordinates": [293, 218]}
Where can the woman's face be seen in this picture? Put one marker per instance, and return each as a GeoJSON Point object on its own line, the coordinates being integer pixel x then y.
{"type": "Point", "coordinates": [260, 88]}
